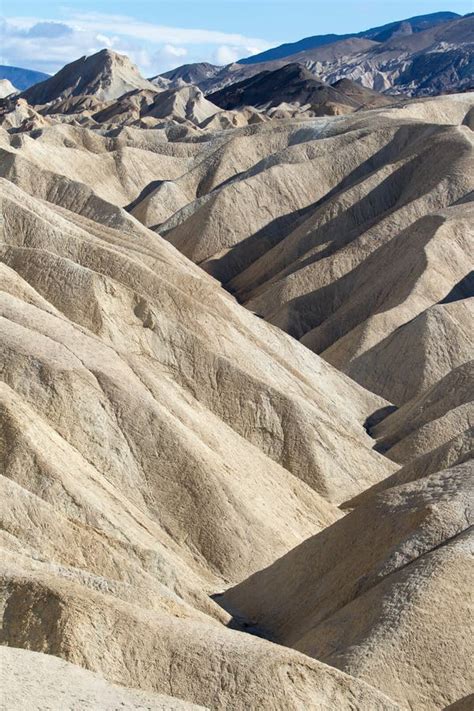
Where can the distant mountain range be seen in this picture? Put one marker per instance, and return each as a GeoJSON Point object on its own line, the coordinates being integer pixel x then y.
{"type": "Point", "coordinates": [110, 89]}
{"type": "Point", "coordinates": [377, 34]}
{"type": "Point", "coordinates": [420, 56]}
{"type": "Point", "coordinates": [21, 78]}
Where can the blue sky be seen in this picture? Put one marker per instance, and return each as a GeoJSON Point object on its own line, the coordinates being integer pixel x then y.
{"type": "Point", "coordinates": [161, 34]}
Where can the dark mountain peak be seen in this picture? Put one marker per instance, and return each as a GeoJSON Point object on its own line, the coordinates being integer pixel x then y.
{"type": "Point", "coordinates": [292, 84]}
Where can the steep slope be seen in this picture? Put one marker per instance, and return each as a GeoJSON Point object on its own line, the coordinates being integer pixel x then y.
{"type": "Point", "coordinates": [173, 654]}
{"type": "Point", "coordinates": [433, 418]}
{"type": "Point", "coordinates": [127, 109]}
{"type": "Point", "coordinates": [434, 343]}
{"type": "Point", "coordinates": [247, 116]}
{"type": "Point", "coordinates": [188, 102]}
{"type": "Point", "coordinates": [17, 116]}
{"type": "Point", "coordinates": [351, 339]}
{"type": "Point", "coordinates": [82, 106]}
{"type": "Point", "coordinates": [139, 477]}
{"type": "Point", "coordinates": [426, 318]}
{"type": "Point", "coordinates": [292, 84]}
{"type": "Point", "coordinates": [150, 109]}
{"type": "Point", "coordinates": [106, 75]}
{"type": "Point", "coordinates": [114, 171]}
{"type": "Point", "coordinates": [455, 451]}
{"type": "Point", "coordinates": [393, 605]}
{"type": "Point", "coordinates": [307, 460]}
{"type": "Point", "coordinates": [303, 232]}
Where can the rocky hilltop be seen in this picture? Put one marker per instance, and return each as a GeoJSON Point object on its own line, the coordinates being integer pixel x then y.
{"type": "Point", "coordinates": [236, 419]}
{"type": "Point", "coordinates": [294, 84]}
{"type": "Point", "coordinates": [105, 75]}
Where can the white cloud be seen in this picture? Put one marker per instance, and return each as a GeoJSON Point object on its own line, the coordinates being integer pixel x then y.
{"type": "Point", "coordinates": [172, 51]}
{"type": "Point", "coordinates": [122, 24]}
{"type": "Point", "coordinates": [106, 41]}
{"type": "Point", "coordinates": [49, 44]}
{"type": "Point", "coordinates": [226, 55]}
{"type": "Point", "coordinates": [169, 57]}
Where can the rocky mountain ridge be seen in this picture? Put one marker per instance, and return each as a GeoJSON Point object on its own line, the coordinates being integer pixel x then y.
{"type": "Point", "coordinates": [434, 58]}
{"type": "Point", "coordinates": [380, 34]}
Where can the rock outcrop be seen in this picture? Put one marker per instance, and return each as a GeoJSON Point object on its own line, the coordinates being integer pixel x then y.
{"type": "Point", "coordinates": [106, 75]}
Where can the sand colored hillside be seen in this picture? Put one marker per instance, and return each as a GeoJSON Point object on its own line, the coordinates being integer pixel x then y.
{"type": "Point", "coordinates": [322, 169]}
{"type": "Point", "coordinates": [106, 75]}
{"type": "Point", "coordinates": [186, 103]}
{"type": "Point", "coordinates": [43, 681]}
{"type": "Point", "coordinates": [307, 397]}
{"type": "Point", "coordinates": [158, 379]}
{"type": "Point", "coordinates": [432, 431]}
{"type": "Point", "coordinates": [457, 450]}
{"type": "Point", "coordinates": [434, 343]}
{"type": "Point", "coordinates": [138, 476]}
{"type": "Point", "coordinates": [116, 172]}
{"type": "Point", "coordinates": [146, 108]}
{"type": "Point", "coordinates": [394, 605]}
{"type": "Point", "coordinates": [156, 652]}
{"type": "Point", "coordinates": [311, 216]}
{"type": "Point", "coordinates": [429, 259]}
{"type": "Point", "coordinates": [255, 505]}
{"type": "Point", "coordinates": [443, 411]}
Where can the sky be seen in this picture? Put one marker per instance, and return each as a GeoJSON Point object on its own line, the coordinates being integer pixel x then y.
{"type": "Point", "coordinates": [159, 35]}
